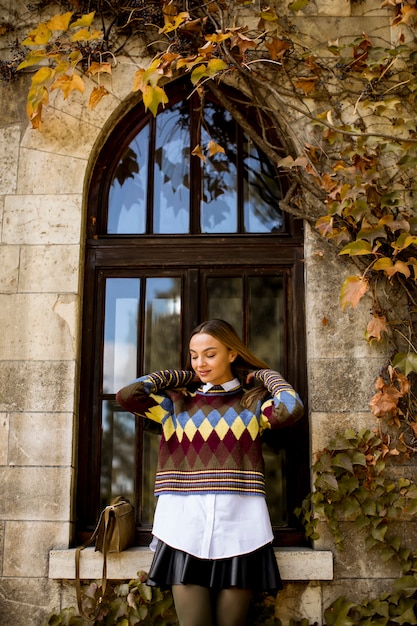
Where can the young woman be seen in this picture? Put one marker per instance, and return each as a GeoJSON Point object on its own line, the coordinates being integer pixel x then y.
{"type": "Point", "coordinates": [212, 528]}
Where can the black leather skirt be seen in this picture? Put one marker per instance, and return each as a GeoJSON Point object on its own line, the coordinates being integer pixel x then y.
{"type": "Point", "coordinates": [256, 570]}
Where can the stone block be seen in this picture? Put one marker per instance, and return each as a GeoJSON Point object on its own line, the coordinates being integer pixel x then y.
{"type": "Point", "coordinates": [9, 156]}
{"type": "Point", "coordinates": [42, 439]}
{"type": "Point", "coordinates": [43, 172]}
{"type": "Point", "coordinates": [79, 136]}
{"type": "Point", "coordinates": [38, 326]}
{"type": "Point", "coordinates": [42, 219]}
{"type": "Point", "coordinates": [35, 493]}
{"type": "Point", "coordinates": [343, 385]}
{"type": "Point", "coordinates": [324, 426]}
{"type": "Point", "coordinates": [336, 8]}
{"type": "Point", "coordinates": [297, 601]}
{"type": "Point", "coordinates": [27, 601]}
{"type": "Point", "coordinates": [41, 537]}
{"type": "Point", "coordinates": [49, 269]}
{"type": "Point", "coordinates": [9, 263]}
{"type": "Point", "coordinates": [37, 386]}
{"type": "Point", "coordinates": [4, 438]}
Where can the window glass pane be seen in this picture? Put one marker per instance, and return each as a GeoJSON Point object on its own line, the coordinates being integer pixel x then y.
{"type": "Point", "coordinates": [219, 174]}
{"type": "Point", "coordinates": [266, 325]}
{"type": "Point", "coordinates": [117, 454]}
{"type": "Point", "coordinates": [224, 295]}
{"type": "Point", "coordinates": [150, 458]}
{"type": "Point", "coordinates": [171, 171]}
{"type": "Point", "coordinates": [127, 197]}
{"type": "Point", "coordinates": [261, 192]}
{"type": "Point", "coordinates": [120, 332]}
{"type": "Point", "coordinates": [162, 323]}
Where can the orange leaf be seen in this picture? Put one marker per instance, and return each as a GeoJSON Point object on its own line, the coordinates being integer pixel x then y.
{"type": "Point", "coordinates": [213, 148]}
{"type": "Point", "coordinates": [68, 84]}
{"type": "Point", "coordinates": [352, 290]}
{"type": "Point", "coordinates": [97, 68]}
{"type": "Point", "coordinates": [96, 95]}
{"type": "Point", "coordinates": [376, 326]}
{"type": "Point", "coordinates": [277, 48]}
{"type": "Point", "coordinates": [306, 84]}
{"type": "Point", "coordinates": [385, 402]}
{"type": "Point", "coordinates": [198, 152]}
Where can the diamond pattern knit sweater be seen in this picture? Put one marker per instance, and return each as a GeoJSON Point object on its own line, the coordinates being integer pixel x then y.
{"type": "Point", "coordinates": [210, 443]}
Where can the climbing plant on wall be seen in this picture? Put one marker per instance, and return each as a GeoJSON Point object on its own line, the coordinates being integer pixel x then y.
{"type": "Point", "coordinates": [345, 114]}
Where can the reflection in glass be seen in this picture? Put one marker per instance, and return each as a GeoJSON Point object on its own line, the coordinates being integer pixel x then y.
{"type": "Point", "coordinates": [120, 332]}
{"type": "Point", "coordinates": [127, 197]}
{"type": "Point", "coordinates": [117, 454]}
{"type": "Point", "coordinates": [171, 172]}
{"type": "Point", "coordinates": [162, 323]}
{"type": "Point", "coordinates": [151, 443]}
{"type": "Point", "coordinates": [224, 296]}
{"type": "Point", "coordinates": [219, 173]}
{"type": "Point", "coordinates": [261, 192]}
{"type": "Point", "coordinates": [266, 319]}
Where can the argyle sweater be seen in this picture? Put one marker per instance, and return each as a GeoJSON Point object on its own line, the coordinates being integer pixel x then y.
{"type": "Point", "coordinates": [210, 443]}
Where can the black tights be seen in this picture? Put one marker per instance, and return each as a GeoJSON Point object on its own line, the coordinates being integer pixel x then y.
{"type": "Point", "coordinates": [196, 606]}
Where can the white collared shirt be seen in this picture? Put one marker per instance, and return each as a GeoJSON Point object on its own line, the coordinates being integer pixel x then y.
{"type": "Point", "coordinates": [213, 526]}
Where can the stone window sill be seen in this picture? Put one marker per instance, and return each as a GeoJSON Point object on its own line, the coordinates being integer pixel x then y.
{"type": "Point", "coordinates": [294, 564]}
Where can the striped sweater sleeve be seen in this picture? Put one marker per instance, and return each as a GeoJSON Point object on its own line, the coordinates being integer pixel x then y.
{"type": "Point", "coordinates": [145, 396]}
{"type": "Point", "coordinates": [284, 406]}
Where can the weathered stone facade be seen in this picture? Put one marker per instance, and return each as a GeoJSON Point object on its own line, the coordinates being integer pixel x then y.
{"type": "Point", "coordinates": [43, 181]}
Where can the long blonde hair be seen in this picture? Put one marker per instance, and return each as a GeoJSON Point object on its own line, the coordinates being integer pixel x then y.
{"type": "Point", "coordinates": [245, 360]}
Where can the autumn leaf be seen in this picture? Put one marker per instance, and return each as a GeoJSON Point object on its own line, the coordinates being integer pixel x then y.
{"type": "Point", "coordinates": [385, 401]}
{"type": "Point", "coordinates": [173, 22]}
{"type": "Point", "coordinates": [214, 148]}
{"type": "Point", "coordinates": [209, 70]}
{"type": "Point", "coordinates": [86, 35]}
{"type": "Point", "coordinates": [33, 58]}
{"type": "Point", "coordinates": [386, 265]}
{"type": "Point", "coordinates": [38, 37]}
{"type": "Point", "coordinates": [298, 5]}
{"type": "Point", "coordinates": [197, 151]}
{"type": "Point", "coordinates": [153, 97]}
{"type": "Point", "coordinates": [306, 84]}
{"type": "Point", "coordinates": [376, 326]}
{"type": "Point", "coordinates": [84, 21]}
{"type": "Point", "coordinates": [218, 37]}
{"type": "Point", "coordinates": [352, 290]}
{"type": "Point", "coordinates": [59, 22]}
{"type": "Point", "coordinates": [357, 248]}
{"type": "Point", "coordinates": [96, 95]}
{"type": "Point", "coordinates": [404, 241]}
{"type": "Point", "coordinates": [325, 225]}
{"type": "Point", "coordinates": [68, 84]}
{"type": "Point", "coordinates": [277, 48]}
{"type": "Point", "coordinates": [98, 68]}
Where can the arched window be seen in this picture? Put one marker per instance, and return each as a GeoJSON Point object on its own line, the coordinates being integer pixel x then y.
{"type": "Point", "coordinates": [174, 238]}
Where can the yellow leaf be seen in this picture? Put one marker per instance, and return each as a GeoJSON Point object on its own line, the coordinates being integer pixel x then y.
{"type": "Point", "coordinates": [213, 148]}
{"type": "Point", "coordinates": [60, 22]}
{"type": "Point", "coordinates": [173, 24]}
{"type": "Point", "coordinates": [99, 68]}
{"type": "Point", "coordinates": [33, 58]}
{"type": "Point", "coordinates": [86, 35]}
{"type": "Point", "coordinates": [352, 290]}
{"type": "Point", "coordinates": [153, 97]}
{"type": "Point", "coordinates": [218, 37]}
{"type": "Point", "coordinates": [198, 152]}
{"type": "Point", "coordinates": [68, 84]}
{"type": "Point", "coordinates": [356, 248]}
{"type": "Point", "coordinates": [84, 20]}
{"type": "Point", "coordinates": [96, 95]}
{"type": "Point", "coordinates": [75, 57]}
{"type": "Point", "coordinates": [38, 37]}
{"type": "Point", "coordinates": [213, 67]}
{"type": "Point", "coordinates": [42, 76]}
{"type": "Point", "coordinates": [390, 269]}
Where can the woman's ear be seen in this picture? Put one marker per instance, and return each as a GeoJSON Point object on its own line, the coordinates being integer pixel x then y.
{"type": "Point", "coordinates": [232, 355]}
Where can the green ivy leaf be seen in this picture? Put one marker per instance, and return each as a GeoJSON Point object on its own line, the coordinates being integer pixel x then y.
{"type": "Point", "coordinates": [343, 460]}
{"type": "Point", "coordinates": [356, 248]}
{"type": "Point", "coordinates": [406, 362]}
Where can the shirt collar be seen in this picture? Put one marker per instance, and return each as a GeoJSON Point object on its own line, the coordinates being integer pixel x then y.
{"type": "Point", "coordinates": [230, 384]}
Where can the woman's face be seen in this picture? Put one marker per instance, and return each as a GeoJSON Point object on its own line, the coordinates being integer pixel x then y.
{"type": "Point", "coordinates": [210, 359]}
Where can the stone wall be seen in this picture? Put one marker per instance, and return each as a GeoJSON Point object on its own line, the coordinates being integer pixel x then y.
{"type": "Point", "coordinates": [43, 182]}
